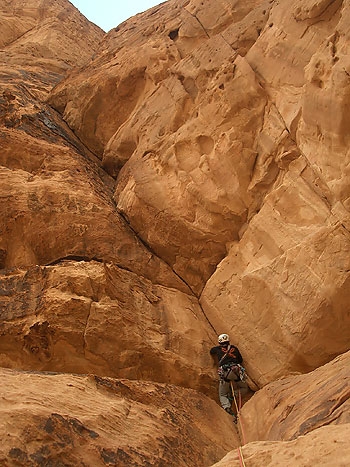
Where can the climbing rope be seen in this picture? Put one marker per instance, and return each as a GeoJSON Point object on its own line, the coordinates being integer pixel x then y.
{"type": "Point", "coordinates": [240, 457]}
{"type": "Point", "coordinates": [238, 408]}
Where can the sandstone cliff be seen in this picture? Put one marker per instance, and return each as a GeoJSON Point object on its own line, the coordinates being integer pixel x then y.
{"type": "Point", "coordinates": [184, 175]}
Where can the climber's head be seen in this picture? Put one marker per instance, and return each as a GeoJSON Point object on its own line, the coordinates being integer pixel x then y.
{"type": "Point", "coordinates": [224, 339]}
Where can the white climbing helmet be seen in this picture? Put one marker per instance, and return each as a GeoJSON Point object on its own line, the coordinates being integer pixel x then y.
{"type": "Point", "coordinates": [223, 338]}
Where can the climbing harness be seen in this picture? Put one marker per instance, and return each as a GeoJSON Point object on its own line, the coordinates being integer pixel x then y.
{"type": "Point", "coordinates": [225, 370]}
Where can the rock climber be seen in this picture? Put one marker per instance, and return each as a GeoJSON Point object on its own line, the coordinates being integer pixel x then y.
{"type": "Point", "coordinates": [230, 369]}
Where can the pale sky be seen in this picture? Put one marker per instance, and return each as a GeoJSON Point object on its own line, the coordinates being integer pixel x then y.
{"type": "Point", "coordinates": [109, 13]}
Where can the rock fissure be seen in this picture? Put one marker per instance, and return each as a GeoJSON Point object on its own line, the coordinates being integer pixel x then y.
{"type": "Point", "coordinates": [230, 45]}
{"type": "Point", "coordinates": [21, 36]}
{"type": "Point", "coordinates": [74, 258]}
{"type": "Point", "coordinates": [201, 25]}
{"type": "Point", "coordinates": [85, 344]}
{"type": "Point", "coordinates": [147, 246]}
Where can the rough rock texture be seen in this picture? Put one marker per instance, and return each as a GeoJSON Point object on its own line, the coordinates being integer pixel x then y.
{"type": "Point", "coordinates": [239, 175]}
{"type": "Point", "coordinates": [44, 34]}
{"type": "Point", "coordinates": [89, 317]}
{"type": "Point", "coordinates": [294, 406]}
{"type": "Point", "coordinates": [311, 415]}
{"type": "Point", "coordinates": [171, 116]}
{"type": "Point", "coordinates": [289, 273]}
{"type": "Point", "coordinates": [92, 421]}
{"type": "Point", "coordinates": [326, 446]}
{"type": "Point", "coordinates": [57, 207]}
{"type": "Point", "coordinates": [184, 175]}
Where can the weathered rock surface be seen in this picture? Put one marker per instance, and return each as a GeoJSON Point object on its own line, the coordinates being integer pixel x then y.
{"type": "Point", "coordinates": [294, 293]}
{"type": "Point", "coordinates": [326, 446]}
{"type": "Point", "coordinates": [304, 420]}
{"type": "Point", "coordinates": [179, 119]}
{"type": "Point", "coordinates": [90, 317]}
{"type": "Point", "coordinates": [186, 174]}
{"type": "Point", "coordinates": [87, 420]}
{"type": "Point", "coordinates": [45, 35]}
{"type": "Point", "coordinates": [278, 274]}
{"type": "Point", "coordinates": [57, 201]}
{"type": "Point", "coordinates": [56, 206]}
{"type": "Point", "coordinates": [297, 405]}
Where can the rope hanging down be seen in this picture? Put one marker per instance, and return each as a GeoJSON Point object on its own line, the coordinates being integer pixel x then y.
{"type": "Point", "coordinates": [240, 457]}
{"type": "Point", "coordinates": [238, 408]}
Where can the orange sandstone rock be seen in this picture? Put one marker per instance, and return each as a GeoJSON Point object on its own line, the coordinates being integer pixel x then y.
{"type": "Point", "coordinates": [326, 446]}
{"type": "Point", "coordinates": [91, 317]}
{"type": "Point", "coordinates": [294, 406]}
{"type": "Point", "coordinates": [90, 420]}
{"type": "Point", "coordinates": [184, 175]}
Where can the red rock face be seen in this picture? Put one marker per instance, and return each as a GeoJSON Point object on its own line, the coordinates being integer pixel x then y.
{"type": "Point", "coordinates": [184, 175]}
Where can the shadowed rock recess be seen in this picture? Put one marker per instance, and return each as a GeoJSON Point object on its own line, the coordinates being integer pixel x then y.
{"type": "Point", "coordinates": [185, 174]}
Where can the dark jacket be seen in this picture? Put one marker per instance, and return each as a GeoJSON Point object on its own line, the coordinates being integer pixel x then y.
{"type": "Point", "coordinates": [225, 355]}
